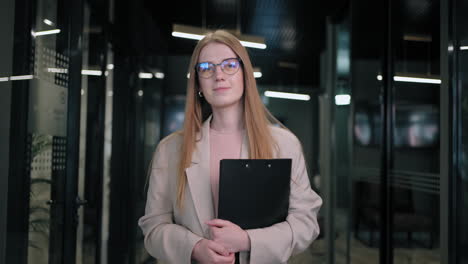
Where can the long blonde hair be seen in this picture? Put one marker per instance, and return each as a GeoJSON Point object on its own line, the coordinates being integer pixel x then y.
{"type": "Point", "coordinates": [256, 117]}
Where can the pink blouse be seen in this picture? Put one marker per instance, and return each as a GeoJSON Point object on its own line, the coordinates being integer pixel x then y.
{"type": "Point", "coordinates": [223, 145]}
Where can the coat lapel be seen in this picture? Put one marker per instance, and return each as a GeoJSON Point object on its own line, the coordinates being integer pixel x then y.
{"type": "Point", "coordinates": [198, 176]}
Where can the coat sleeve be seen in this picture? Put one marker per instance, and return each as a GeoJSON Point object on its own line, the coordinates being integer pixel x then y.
{"type": "Point", "coordinates": [164, 240]}
{"type": "Point", "coordinates": [277, 243]}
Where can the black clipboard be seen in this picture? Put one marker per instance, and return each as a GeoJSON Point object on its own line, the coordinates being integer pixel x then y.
{"type": "Point", "coordinates": [254, 193]}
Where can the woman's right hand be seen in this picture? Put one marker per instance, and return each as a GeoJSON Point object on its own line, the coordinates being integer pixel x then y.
{"type": "Point", "coordinates": [209, 252]}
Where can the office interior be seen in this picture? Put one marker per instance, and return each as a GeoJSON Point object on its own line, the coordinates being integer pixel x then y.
{"type": "Point", "coordinates": [89, 88]}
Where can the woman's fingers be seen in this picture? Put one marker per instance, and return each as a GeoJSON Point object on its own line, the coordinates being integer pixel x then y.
{"type": "Point", "coordinates": [218, 248]}
{"type": "Point", "coordinates": [225, 259]}
{"type": "Point", "coordinates": [218, 223]}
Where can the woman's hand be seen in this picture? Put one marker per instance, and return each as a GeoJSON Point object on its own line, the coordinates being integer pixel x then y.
{"type": "Point", "coordinates": [210, 252]}
{"type": "Point", "coordinates": [229, 235]}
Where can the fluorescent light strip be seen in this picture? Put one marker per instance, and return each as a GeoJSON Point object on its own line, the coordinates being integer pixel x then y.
{"type": "Point", "coordinates": [415, 80]}
{"type": "Point", "coordinates": [46, 32]}
{"type": "Point", "coordinates": [4, 79]}
{"type": "Point", "coordinates": [412, 79]}
{"type": "Point", "coordinates": [342, 99]}
{"type": "Point", "coordinates": [91, 72]}
{"type": "Point", "coordinates": [187, 35]}
{"type": "Point", "coordinates": [293, 96]}
{"type": "Point", "coordinates": [159, 75]}
{"type": "Point", "coordinates": [199, 37]}
{"type": "Point", "coordinates": [257, 74]}
{"type": "Point", "coordinates": [48, 22]}
{"type": "Point", "coordinates": [253, 44]}
{"type": "Point", "coordinates": [21, 77]}
{"type": "Point", "coordinates": [464, 48]}
{"type": "Point", "coordinates": [145, 75]}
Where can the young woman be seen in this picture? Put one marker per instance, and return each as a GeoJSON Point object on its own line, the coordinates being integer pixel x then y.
{"type": "Point", "coordinates": [180, 223]}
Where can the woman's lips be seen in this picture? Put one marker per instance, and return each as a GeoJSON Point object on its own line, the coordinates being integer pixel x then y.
{"type": "Point", "coordinates": [219, 89]}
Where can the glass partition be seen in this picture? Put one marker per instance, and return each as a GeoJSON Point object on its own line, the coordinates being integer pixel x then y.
{"type": "Point", "coordinates": [414, 173]}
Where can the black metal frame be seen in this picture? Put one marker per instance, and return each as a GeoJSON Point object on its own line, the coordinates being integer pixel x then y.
{"type": "Point", "coordinates": [450, 136]}
{"type": "Point", "coordinates": [330, 181]}
{"type": "Point", "coordinates": [123, 138]}
{"type": "Point", "coordinates": [19, 180]}
{"type": "Point", "coordinates": [74, 31]}
{"type": "Point", "coordinates": [386, 252]}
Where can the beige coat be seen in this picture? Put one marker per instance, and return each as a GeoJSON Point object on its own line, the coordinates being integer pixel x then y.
{"type": "Point", "coordinates": [171, 233]}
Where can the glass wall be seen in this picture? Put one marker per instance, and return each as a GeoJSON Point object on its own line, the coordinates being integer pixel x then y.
{"type": "Point", "coordinates": [414, 172]}
{"type": "Point", "coordinates": [41, 209]}
{"type": "Point", "coordinates": [341, 100]}
{"type": "Point", "coordinates": [367, 55]}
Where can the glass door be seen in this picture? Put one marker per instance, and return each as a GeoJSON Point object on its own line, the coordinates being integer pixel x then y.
{"type": "Point", "coordinates": [41, 200]}
{"type": "Point", "coordinates": [47, 122]}
{"type": "Point", "coordinates": [414, 170]}
{"type": "Point", "coordinates": [367, 124]}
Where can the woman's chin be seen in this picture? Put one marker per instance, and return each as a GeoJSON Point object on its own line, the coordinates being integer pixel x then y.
{"type": "Point", "coordinates": [224, 104]}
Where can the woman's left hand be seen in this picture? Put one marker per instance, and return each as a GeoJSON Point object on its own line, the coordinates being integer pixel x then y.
{"type": "Point", "coordinates": [230, 235]}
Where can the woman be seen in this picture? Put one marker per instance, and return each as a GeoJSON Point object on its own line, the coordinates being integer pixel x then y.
{"type": "Point", "coordinates": [180, 222]}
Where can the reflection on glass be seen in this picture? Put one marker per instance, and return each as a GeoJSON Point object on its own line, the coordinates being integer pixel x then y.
{"type": "Point", "coordinates": [416, 128]}
{"type": "Point", "coordinates": [40, 195]}
{"type": "Point", "coordinates": [362, 128]}
{"type": "Point", "coordinates": [174, 115]}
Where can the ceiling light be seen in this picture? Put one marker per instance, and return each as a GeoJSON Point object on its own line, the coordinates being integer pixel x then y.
{"type": "Point", "coordinates": [196, 33]}
{"type": "Point", "coordinates": [145, 75]}
{"type": "Point", "coordinates": [251, 44]}
{"type": "Point", "coordinates": [342, 99]}
{"type": "Point", "coordinates": [412, 79]}
{"type": "Point", "coordinates": [293, 96]}
{"type": "Point", "coordinates": [257, 72]}
{"type": "Point", "coordinates": [48, 22]}
{"type": "Point", "coordinates": [46, 32]}
{"type": "Point", "coordinates": [464, 48]}
{"type": "Point", "coordinates": [416, 80]}
{"type": "Point", "coordinates": [21, 77]}
{"type": "Point", "coordinates": [187, 35]}
{"type": "Point", "coordinates": [417, 38]}
{"type": "Point", "coordinates": [159, 75]}
{"type": "Point", "coordinates": [91, 72]}
{"type": "Point", "coordinates": [4, 79]}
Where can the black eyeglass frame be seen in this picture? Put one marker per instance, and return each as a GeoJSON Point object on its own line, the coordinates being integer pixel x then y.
{"type": "Point", "coordinates": [218, 64]}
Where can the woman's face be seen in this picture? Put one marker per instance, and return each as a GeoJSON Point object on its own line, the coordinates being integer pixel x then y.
{"type": "Point", "coordinates": [221, 89]}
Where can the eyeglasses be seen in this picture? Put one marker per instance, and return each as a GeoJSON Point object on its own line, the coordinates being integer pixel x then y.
{"type": "Point", "coordinates": [229, 66]}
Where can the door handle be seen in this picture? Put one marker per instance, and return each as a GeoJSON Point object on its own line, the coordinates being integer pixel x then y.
{"type": "Point", "coordinates": [80, 202]}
